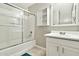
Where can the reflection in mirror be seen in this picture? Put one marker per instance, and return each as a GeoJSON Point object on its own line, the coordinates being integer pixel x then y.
{"type": "Point", "coordinates": [62, 13]}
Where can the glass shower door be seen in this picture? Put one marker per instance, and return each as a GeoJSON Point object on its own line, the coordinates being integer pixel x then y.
{"type": "Point", "coordinates": [28, 27]}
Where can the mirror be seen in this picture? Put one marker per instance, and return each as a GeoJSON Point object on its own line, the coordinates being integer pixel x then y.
{"type": "Point", "coordinates": [62, 13]}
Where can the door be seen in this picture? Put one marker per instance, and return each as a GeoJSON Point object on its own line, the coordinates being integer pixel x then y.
{"type": "Point", "coordinates": [28, 27]}
{"type": "Point", "coordinates": [70, 51]}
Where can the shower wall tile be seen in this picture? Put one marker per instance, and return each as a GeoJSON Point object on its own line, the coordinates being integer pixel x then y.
{"type": "Point", "coordinates": [39, 35]}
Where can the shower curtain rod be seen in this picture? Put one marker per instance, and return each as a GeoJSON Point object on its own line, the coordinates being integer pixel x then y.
{"type": "Point", "coordinates": [12, 5]}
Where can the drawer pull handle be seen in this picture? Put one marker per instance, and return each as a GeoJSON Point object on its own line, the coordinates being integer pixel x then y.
{"type": "Point", "coordinates": [62, 50]}
{"type": "Point", "coordinates": [57, 48]}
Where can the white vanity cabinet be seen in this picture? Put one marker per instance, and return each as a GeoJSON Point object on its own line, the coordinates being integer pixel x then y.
{"type": "Point", "coordinates": [61, 47]}
{"type": "Point", "coordinates": [43, 17]}
{"type": "Point", "coordinates": [69, 51]}
{"type": "Point", "coordinates": [70, 48]}
{"type": "Point", "coordinates": [52, 47]}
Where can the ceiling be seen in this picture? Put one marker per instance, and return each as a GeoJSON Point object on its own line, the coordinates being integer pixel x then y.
{"type": "Point", "coordinates": [23, 5]}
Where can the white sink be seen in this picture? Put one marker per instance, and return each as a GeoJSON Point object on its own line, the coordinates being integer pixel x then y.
{"type": "Point", "coordinates": [67, 35]}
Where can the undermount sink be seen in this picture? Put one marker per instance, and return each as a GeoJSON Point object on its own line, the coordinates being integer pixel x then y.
{"type": "Point", "coordinates": [59, 33]}
{"type": "Point", "coordinates": [64, 34]}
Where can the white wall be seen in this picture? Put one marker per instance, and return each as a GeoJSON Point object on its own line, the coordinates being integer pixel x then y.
{"type": "Point", "coordinates": [38, 6]}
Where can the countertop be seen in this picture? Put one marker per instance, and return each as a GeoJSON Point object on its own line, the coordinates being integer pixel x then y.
{"type": "Point", "coordinates": [68, 35]}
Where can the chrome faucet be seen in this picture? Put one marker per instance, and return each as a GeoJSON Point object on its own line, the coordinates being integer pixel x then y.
{"type": "Point", "coordinates": [62, 33]}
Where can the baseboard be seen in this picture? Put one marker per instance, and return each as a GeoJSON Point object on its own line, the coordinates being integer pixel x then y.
{"type": "Point", "coordinates": [40, 47]}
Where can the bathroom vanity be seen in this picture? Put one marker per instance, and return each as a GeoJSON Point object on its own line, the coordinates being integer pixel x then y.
{"type": "Point", "coordinates": [62, 43]}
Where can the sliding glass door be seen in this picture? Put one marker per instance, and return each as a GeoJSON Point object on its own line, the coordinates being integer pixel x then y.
{"type": "Point", "coordinates": [15, 26]}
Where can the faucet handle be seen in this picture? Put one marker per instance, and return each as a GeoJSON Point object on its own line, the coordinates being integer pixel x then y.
{"type": "Point", "coordinates": [63, 33]}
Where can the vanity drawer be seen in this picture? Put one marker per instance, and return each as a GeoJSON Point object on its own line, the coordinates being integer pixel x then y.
{"type": "Point", "coordinates": [53, 40]}
{"type": "Point", "coordinates": [70, 43]}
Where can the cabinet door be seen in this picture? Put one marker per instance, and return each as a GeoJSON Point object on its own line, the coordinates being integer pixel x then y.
{"type": "Point", "coordinates": [52, 46]}
{"type": "Point", "coordinates": [70, 51]}
{"type": "Point", "coordinates": [39, 18]}
{"type": "Point", "coordinates": [52, 49]}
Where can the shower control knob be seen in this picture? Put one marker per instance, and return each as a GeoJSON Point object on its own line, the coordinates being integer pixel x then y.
{"type": "Point", "coordinates": [31, 32]}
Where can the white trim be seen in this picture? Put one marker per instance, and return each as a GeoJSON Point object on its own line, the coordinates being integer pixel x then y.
{"type": "Point", "coordinates": [40, 47]}
{"type": "Point", "coordinates": [65, 25]}
{"type": "Point", "coordinates": [20, 8]}
{"type": "Point", "coordinates": [48, 16]}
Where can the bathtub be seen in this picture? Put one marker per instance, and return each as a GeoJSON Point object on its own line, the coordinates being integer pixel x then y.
{"type": "Point", "coordinates": [18, 50]}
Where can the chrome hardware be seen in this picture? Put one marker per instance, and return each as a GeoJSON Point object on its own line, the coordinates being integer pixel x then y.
{"type": "Point", "coordinates": [62, 33]}
{"type": "Point", "coordinates": [57, 48]}
{"type": "Point", "coordinates": [62, 50]}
